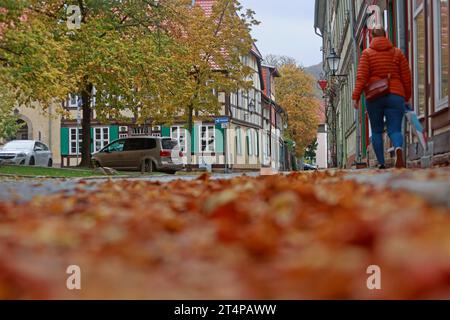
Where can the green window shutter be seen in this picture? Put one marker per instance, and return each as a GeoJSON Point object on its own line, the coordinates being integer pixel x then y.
{"type": "Point", "coordinates": [194, 140]}
{"type": "Point", "coordinates": [92, 139]}
{"type": "Point", "coordinates": [165, 132]}
{"type": "Point", "coordinates": [219, 139]}
{"type": "Point", "coordinates": [247, 140]}
{"type": "Point", "coordinates": [113, 133]}
{"type": "Point", "coordinates": [64, 141]}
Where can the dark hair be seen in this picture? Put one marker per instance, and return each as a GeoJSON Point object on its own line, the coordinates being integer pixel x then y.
{"type": "Point", "coordinates": [378, 32]}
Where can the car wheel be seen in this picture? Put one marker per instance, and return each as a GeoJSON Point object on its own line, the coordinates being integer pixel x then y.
{"type": "Point", "coordinates": [32, 161]}
{"type": "Point", "coordinates": [149, 166]}
{"type": "Point", "coordinates": [50, 163]}
{"type": "Point", "coordinates": [171, 172]}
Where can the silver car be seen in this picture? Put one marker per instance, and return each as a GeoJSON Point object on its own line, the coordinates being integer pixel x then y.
{"type": "Point", "coordinates": [26, 152]}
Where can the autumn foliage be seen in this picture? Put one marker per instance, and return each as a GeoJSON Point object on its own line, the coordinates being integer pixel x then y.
{"type": "Point", "coordinates": [300, 236]}
{"type": "Point", "coordinates": [153, 61]}
{"type": "Point", "coordinates": [295, 92]}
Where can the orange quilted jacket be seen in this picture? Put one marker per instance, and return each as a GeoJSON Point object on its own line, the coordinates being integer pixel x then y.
{"type": "Point", "coordinates": [378, 63]}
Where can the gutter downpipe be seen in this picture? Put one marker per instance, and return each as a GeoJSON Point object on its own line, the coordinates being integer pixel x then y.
{"type": "Point", "coordinates": [356, 60]}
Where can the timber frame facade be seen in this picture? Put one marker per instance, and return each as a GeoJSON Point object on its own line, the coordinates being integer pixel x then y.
{"type": "Point", "coordinates": [421, 29]}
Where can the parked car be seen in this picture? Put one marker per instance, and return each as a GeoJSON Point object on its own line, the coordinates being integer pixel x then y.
{"type": "Point", "coordinates": [141, 153]}
{"type": "Point", "coordinates": [26, 152]}
{"type": "Point", "coordinates": [309, 167]}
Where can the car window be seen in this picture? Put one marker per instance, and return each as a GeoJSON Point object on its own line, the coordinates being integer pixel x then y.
{"type": "Point", "coordinates": [117, 146]}
{"type": "Point", "coordinates": [38, 145]}
{"type": "Point", "coordinates": [140, 144]}
{"type": "Point", "coordinates": [169, 144]}
{"type": "Point", "coordinates": [150, 144]}
{"type": "Point", "coordinates": [41, 145]}
{"type": "Point", "coordinates": [19, 145]}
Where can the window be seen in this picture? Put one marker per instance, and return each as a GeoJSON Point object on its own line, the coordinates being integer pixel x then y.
{"type": "Point", "coordinates": [233, 99]}
{"type": "Point", "coordinates": [140, 144]}
{"type": "Point", "coordinates": [41, 146]}
{"type": "Point", "coordinates": [73, 100]}
{"type": "Point", "coordinates": [93, 97]}
{"type": "Point", "coordinates": [258, 102]}
{"type": "Point", "coordinates": [179, 133]}
{"type": "Point", "coordinates": [240, 98]}
{"type": "Point", "coordinates": [101, 138]}
{"type": "Point", "coordinates": [245, 97]}
{"type": "Point", "coordinates": [117, 146]}
{"type": "Point", "coordinates": [207, 139]}
{"type": "Point", "coordinates": [250, 142]}
{"type": "Point", "coordinates": [419, 53]}
{"type": "Point", "coordinates": [123, 132]}
{"type": "Point", "coordinates": [44, 147]}
{"type": "Point", "coordinates": [256, 143]}
{"type": "Point", "coordinates": [238, 141]}
{"type": "Point", "coordinates": [246, 60]}
{"type": "Point", "coordinates": [140, 131]}
{"type": "Point", "coordinates": [265, 147]}
{"type": "Point", "coordinates": [75, 148]}
{"type": "Point", "coordinates": [441, 52]}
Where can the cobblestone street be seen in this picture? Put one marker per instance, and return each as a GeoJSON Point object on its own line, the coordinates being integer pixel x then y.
{"type": "Point", "coordinates": [296, 236]}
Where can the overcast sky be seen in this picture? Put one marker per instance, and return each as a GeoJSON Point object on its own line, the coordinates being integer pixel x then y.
{"type": "Point", "coordinates": [286, 29]}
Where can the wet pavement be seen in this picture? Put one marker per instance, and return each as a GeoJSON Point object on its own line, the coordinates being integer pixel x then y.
{"type": "Point", "coordinates": [434, 185]}
{"type": "Point", "coordinates": [24, 189]}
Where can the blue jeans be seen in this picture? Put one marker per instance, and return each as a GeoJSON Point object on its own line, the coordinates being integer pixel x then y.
{"type": "Point", "coordinates": [391, 107]}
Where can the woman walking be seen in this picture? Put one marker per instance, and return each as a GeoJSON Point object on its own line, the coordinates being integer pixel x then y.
{"type": "Point", "coordinates": [385, 77]}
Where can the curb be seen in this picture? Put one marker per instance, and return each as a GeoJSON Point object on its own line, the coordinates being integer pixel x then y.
{"type": "Point", "coordinates": [76, 178]}
{"type": "Point", "coordinates": [48, 177]}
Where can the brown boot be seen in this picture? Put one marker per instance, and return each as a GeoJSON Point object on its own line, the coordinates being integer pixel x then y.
{"type": "Point", "coordinates": [399, 159]}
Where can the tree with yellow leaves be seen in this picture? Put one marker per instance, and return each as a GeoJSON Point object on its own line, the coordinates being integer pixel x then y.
{"type": "Point", "coordinates": [213, 42]}
{"type": "Point", "coordinates": [295, 92]}
{"type": "Point", "coordinates": [121, 48]}
{"type": "Point", "coordinates": [8, 120]}
{"type": "Point", "coordinates": [158, 59]}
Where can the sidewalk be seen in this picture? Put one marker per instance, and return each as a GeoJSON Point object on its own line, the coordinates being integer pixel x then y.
{"type": "Point", "coordinates": [431, 184]}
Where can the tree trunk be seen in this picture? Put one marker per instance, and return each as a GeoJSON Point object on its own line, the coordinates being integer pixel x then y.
{"type": "Point", "coordinates": [189, 142]}
{"type": "Point", "coordinates": [86, 126]}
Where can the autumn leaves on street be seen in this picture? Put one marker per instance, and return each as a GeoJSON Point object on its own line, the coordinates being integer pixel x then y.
{"type": "Point", "coordinates": [302, 235]}
{"type": "Point", "coordinates": [184, 150]}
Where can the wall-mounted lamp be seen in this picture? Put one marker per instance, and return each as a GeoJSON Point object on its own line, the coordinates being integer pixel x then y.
{"type": "Point", "coordinates": [333, 62]}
